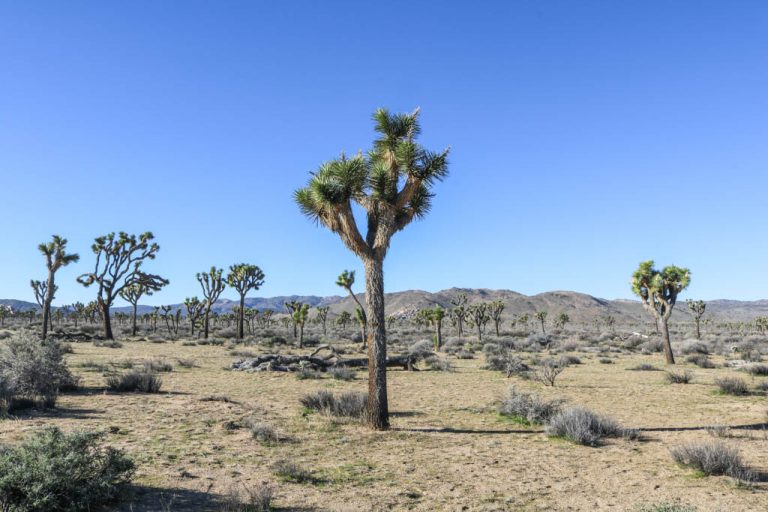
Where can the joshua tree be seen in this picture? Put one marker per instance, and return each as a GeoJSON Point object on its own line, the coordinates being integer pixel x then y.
{"type": "Point", "coordinates": [610, 321]}
{"type": "Point", "coordinates": [322, 317]}
{"type": "Point", "coordinates": [346, 280]}
{"type": "Point", "coordinates": [56, 256]}
{"type": "Point", "coordinates": [146, 285]}
{"type": "Point", "coordinates": [459, 312]}
{"type": "Point", "coordinates": [479, 315]}
{"type": "Point", "coordinates": [437, 316]}
{"type": "Point", "coordinates": [541, 316]}
{"type": "Point", "coordinates": [392, 183]}
{"type": "Point", "coordinates": [5, 312]}
{"type": "Point", "coordinates": [658, 290]}
{"type": "Point", "coordinates": [697, 308]}
{"type": "Point", "coordinates": [292, 307]}
{"type": "Point", "coordinates": [212, 285]}
{"type": "Point", "coordinates": [195, 309]}
{"type": "Point", "coordinates": [495, 309]}
{"type": "Point", "coordinates": [40, 288]}
{"type": "Point", "coordinates": [244, 278]}
{"type": "Point", "coordinates": [523, 320]}
{"type": "Point", "coordinates": [118, 265]}
{"type": "Point", "coordinates": [300, 315]}
{"type": "Point", "coordinates": [561, 320]}
{"type": "Point", "coordinates": [343, 319]}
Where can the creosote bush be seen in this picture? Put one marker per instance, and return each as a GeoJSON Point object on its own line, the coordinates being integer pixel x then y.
{"type": "Point", "coordinates": [142, 381]}
{"type": "Point", "coordinates": [582, 426]}
{"type": "Point", "coordinates": [32, 372]}
{"type": "Point", "coordinates": [342, 373]}
{"type": "Point", "coordinates": [701, 360]}
{"type": "Point", "coordinates": [289, 471]}
{"type": "Point", "coordinates": [548, 372]}
{"type": "Point", "coordinates": [528, 407]}
{"type": "Point", "coordinates": [732, 386]}
{"type": "Point", "coordinates": [713, 458]}
{"type": "Point", "coordinates": [644, 367]}
{"type": "Point", "coordinates": [53, 471]}
{"type": "Point", "coordinates": [346, 405]}
{"type": "Point", "coordinates": [684, 377]}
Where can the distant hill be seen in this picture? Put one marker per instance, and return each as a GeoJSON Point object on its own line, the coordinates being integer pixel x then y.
{"type": "Point", "coordinates": [580, 307]}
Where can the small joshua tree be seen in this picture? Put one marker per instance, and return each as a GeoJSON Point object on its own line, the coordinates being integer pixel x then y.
{"type": "Point", "coordinates": [437, 316]}
{"type": "Point", "coordinates": [479, 315]}
{"type": "Point", "coordinates": [658, 291]}
{"type": "Point", "coordinates": [343, 319]}
{"type": "Point", "coordinates": [292, 307]}
{"type": "Point", "coordinates": [146, 285]}
{"type": "Point", "coordinates": [56, 256]}
{"type": "Point", "coordinates": [541, 316]}
{"type": "Point", "coordinates": [561, 320]}
{"type": "Point", "coordinates": [212, 284]}
{"type": "Point", "coordinates": [346, 280]}
{"type": "Point", "coordinates": [300, 315]}
{"type": "Point", "coordinates": [195, 308]}
{"type": "Point", "coordinates": [459, 312]}
{"type": "Point", "coordinates": [495, 309]}
{"type": "Point", "coordinates": [697, 307]}
{"type": "Point", "coordinates": [322, 317]}
{"type": "Point", "coordinates": [244, 278]}
{"type": "Point", "coordinates": [118, 265]}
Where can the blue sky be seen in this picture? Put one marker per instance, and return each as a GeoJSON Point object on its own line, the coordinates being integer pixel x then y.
{"type": "Point", "coordinates": [586, 137]}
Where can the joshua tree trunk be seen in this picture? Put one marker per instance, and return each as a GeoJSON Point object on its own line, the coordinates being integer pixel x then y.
{"type": "Point", "coordinates": [206, 322]}
{"type": "Point", "coordinates": [698, 328]}
{"type": "Point", "coordinates": [301, 335]}
{"type": "Point", "coordinates": [479, 332]}
{"type": "Point", "coordinates": [107, 320]}
{"type": "Point", "coordinates": [241, 318]}
{"type": "Point", "coordinates": [133, 322]}
{"type": "Point", "coordinates": [47, 305]}
{"type": "Point", "coordinates": [439, 334]}
{"type": "Point", "coordinates": [377, 413]}
{"type": "Point", "coordinates": [664, 328]}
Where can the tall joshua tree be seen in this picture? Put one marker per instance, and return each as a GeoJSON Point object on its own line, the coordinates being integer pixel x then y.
{"type": "Point", "coordinates": [322, 317]}
{"type": "Point", "coordinates": [697, 307]}
{"type": "Point", "coordinates": [346, 280]}
{"type": "Point", "coordinates": [145, 285]}
{"type": "Point", "coordinates": [437, 315]}
{"type": "Point", "coordinates": [244, 278]}
{"type": "Point", "coordinates": [392, 183]}
{"type": "Point", "coordinates": [118, 265]}
{"type": "Point", "coordinates": [212, 285]}
{"type": "Point", "coordinates": [478, 313]}
{"type": "Point", "coordinates": [195, 309]}
{"type": "Point", "coordinates": [495, 309]}
{"type": "Point", "coordinates": [541, 316]}
{"type": "Point", "coordinates": [459, 312]}
{"type": "Point", "coordinates": [658, 290]}
{"type": "Point", "coordinates": [55, 253]}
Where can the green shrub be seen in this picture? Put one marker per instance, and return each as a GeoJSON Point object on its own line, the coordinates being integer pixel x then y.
{"type": "Point", "coordinates": [141, 381]}
{"type": "Point", "coordinates": [54, 472]}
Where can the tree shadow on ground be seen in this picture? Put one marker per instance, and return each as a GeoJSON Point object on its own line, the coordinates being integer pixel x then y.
{"type": "Point", "coordinates": [155, 499]}
{"type": "Point", "coordinates": [753, 426]}
{"type": "Point", "coordinates": [451, 430]}
{"type": "Point", "coordinates": [57, 412]}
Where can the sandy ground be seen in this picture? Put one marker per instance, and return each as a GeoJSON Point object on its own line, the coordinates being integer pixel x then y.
{"type": "Point", "coordinates": [448, 448]}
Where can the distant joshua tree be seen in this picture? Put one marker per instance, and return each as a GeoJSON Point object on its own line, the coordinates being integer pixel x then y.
{"type": "Point", "coordinates": [697, 307]}
{"type": "Point", "coordinates": [244, 278]}
{"type": "Point", "coordinates": [146, 285]}
{"type": "Point", "coordinates": [212, 284]}
{"type": "Point", "coordinates": [658, 290]}
{"type": "Point", "coordinates": [56, 256]}
{"type": "Point", "coordinates": [346, 280]}
{"type": "Point", "coordinates": [300, 315]}
{"type": "Point", "coordinates": [437, 315]}
{"type": "Point", "coordinates": [541, 316]}
{"type": "Point", "coordinates": [523, 320]}
{"type": "Point", "coordinates": [343, 320]}
{"type": "Point", "coordinates": [459, 312]}
{"type": "Point", "coordinates": [292, 307]}
{"type": "Point", "coordinates": [495, 309]}
{"type": "Point", "coordinates": [479, 315]}
{"type": "Point", "coordinates": [118, 265]}
{"type": "Point", "coordinates": [561, 320]}
{"type": "Point", "coordinates": [195, 308]}
{"type": "Point", "coordinates": [322, 317]}
{"type": "Point", "coordinates": [392, 183]}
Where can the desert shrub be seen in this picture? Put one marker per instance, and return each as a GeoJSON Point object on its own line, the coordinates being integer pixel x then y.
{"type": "Point", "coordinates": [732, 386]}
{"type": "Point", "coordinates": [712, 458]}
{"type": "Point", "coordinates": [157, 365]}
{"type": "Point", "coordinates": [438, 364]}
{"type": "Point", "coordinates": [188, 343]}
{"type": "Point", "coordinates": [141, 381]}
{"type": "Point", "coordinates": [757, 369]}
{"type": "Point", "coordinates": [700, 360]}
{"type": "Point", "coordinates": [548, 372]}
{"type": "Point", "coordinates": [186, 363]}
{"type": "Point", "coordinates": [684, 377]}
{"type": "Point", "coordinates": [762, 386]}
{"type": "Point", "coordinates": [667, 507]}
{"type": "Point", "coordinates": [306, 373]}
{"type": "Point", "coordinates": [529, 407]}
{"type": "Point", "coordinates": [53, 471]}
{"type": "Point", "coordinates": [582, 426]}
{"type": "Point", "coordinates": [421, 349]}
{"type": "Point", "coordinates": [216, 398]}
{"type": "Point", "coordinates": [262, 432]}
{"type": "Point", "coordinates": [645, 367]}
{"type": "Point", "coordinates": [695, 347]}
{"type": "Point", "coordinates": [125, 364]}
{"type": "Point", "coordinates": [605, 360]}
{"type": "Point", "coordinates": [719, 431]}
{"type": "Point", "coordinates": [245, 354]}
{"type": "Point", "coordinates": [346, 405]}
{"type": "Point", "coordinates": [257, 498]}
{"type": "Point", "coordinates": [32, 371]}
{"type": "Point", "coordinates": [464, 354]}
{"type": "Point", "coordinates": [291, 472]}
{"type": "Point", "coordinates": [341, 373]}
{"type": "Point", "coordinates": [107, 344]}
{"type": "Point", "coordinates": [506, 361]}
{"type": "Point", "coordinates": [539, 341]}
{"type": "Point", "coordinates": [568, 360]}
{"type": "Point", "coordinates": [651, 346]}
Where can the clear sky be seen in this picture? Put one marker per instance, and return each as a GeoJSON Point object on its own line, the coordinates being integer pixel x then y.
{"type": "Point", "coordinates": [586, 136]}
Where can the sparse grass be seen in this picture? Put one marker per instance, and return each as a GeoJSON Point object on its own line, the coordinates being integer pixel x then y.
{"type": "Point", "coordinates": [644, 367]}
{"type": "Point", "coordinates": [143, 382]}
{"type": "Point", "coordinates": [342, 373]}
{"type": "Point", "coordinates": [667, 507]}
{"type": "Point", "coordinates": [346, 405]}
{"type": "Point", "coordinates": [529, 407]}
{"type": "Point", "coordinates": [289, 471]}
{"type": "Point", "coordinates": [107, 344]}
{"type": "Point", "coordinates": [186, 363]}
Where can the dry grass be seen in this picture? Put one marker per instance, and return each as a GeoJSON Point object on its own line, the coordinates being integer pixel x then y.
{"type": "Point", "coordinates": [448, 447]}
